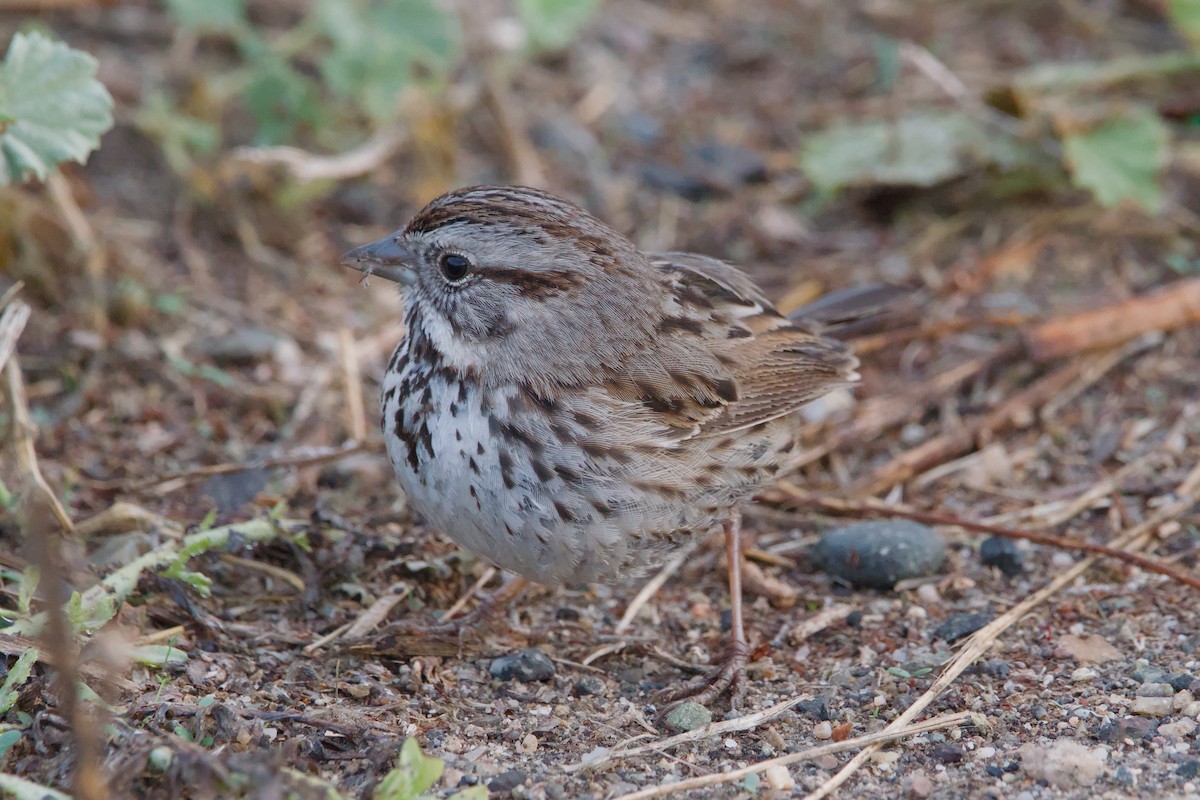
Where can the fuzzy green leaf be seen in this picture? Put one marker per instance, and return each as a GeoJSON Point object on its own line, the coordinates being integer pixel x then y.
{"type": "Point", "coordinates": [52, 108]}
{"type": "Point", "coordinates": [1121, 159]}
{"type": "Point", "coordinates": [377, 45]}
{"type": "Point", "coordinates": [553, 24]}
{"type": "Point", "coordinates": [16, 678]}
{"type": "Point", "coordinates": [921, 149]}
{"type": "Point", "coordinates": [1185, 16]}
{"type": "Point", "coordinates": [414, 773]}
{"type": "Point", "coordinates": [208, 15]}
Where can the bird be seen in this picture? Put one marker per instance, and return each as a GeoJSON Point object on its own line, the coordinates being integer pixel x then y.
{"type": "Point", "coordinates": [573, 409]}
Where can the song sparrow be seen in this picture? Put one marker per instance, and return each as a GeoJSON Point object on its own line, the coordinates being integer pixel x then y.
{"type": "Point", "coordinates": [569, 407]}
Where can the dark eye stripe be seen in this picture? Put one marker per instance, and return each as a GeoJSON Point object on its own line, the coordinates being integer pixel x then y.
{"type": "Point", "coordinates": [534, 284]}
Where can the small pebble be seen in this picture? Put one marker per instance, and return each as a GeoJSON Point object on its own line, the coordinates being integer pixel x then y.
{"type": "Point", "coordinates": [1188, 770]}
{"type": "Point", "coordinates": [1001, 553]}
{"type": "Point", "coordinates": [985, 753]}
{"type": "Point", "coordinates": [947, 754]}
{"type": "Point", "coordinates": [1084, 674]}
{"type": "Point", "coordinates": [1064, 763]}
{"type": "Point", "coordinates": [525, 666]}
{"type": "Point", "coordinates": [879, 553]}
{"type": "Point", "coordinates": [778, 778]}
{"type": "Point", "coordinates": [1148, 673]}
{"type": "Point", "coordinates": [919, 785]}
{"type": "Point", "coordinates": [688, 717]}
{"type": "Point", "coordinates": [1155, 690]}
{"type": "Point", "coordinates": [1178, 729]}
{"type": "Point", "coordinates": [1135, 729]}
{"type": "Point", "coordinates": [957, 626]}
{"type": "Point", "coordinates": [1181, 681]}
{"type": "Point", "coordinates": [994, 770]}
{"type": "Point", "coordinates": [1182, 700]}
{"type": "Point", "coordinates": [1151, 706]}
{"type": "Point", "coordinates": [823, 730]}
{"type": "Point", "coordinates": [814, 709]}
{"type": "Point", "coordinates": [588, 685]}
{"type": "Point", "coordinates": [507, 781]}
{"type": "Point", "coordinates": [1192, 709]}
{"type": "Point", "coordinates": [1123, 776]}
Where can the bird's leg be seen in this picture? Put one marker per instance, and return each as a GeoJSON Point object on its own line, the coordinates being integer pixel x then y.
{"type": "Point", "coordinates": [730, 676]}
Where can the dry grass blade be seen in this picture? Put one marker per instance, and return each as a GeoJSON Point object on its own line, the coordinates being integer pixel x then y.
{"type": "Point", "coordinates": [743, 723]}
{"type": "Point", "coordinates": [305, 166]}
{"type": "Point", "coordinates": [654, 584]}
{"type": "Point", "coordinates": [1185, 497]}
{"type": "Point", "coordinates": [871, 740]}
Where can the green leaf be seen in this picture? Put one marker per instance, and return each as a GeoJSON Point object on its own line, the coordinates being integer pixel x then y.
{"type": "Point", "coordinates": [413, 774]}
{"type": "Point", "coordinates": [52, 108]}
{"type": "Point", "coordinates": [1185, 16]}
{"type": "Point", "coordinates": [378, 45]}
{"type": "Point", "coordinates": [208, 15]}
{"type": "Point", "coordinates": [159, 656]}
{"type": "Point", "coordinates": [22, 789]}
{"type": "Point", "coordinates": [553, 24]}
{"type": "Point", "coordinates": [30, 577]}
{"type": "Point", "coordinates": [7, 740]}
{"type": "Point", "coordinates": [921, 149]}
{"type": "Point", "coordinates": [17, 676]}
{"type": "Point", "coordinates": [476, 792]}
{"type": "Point", "coordinates": [1121, 159]}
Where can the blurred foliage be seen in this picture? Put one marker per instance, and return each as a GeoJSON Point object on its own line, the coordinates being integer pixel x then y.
{"type": "Point", "coordinates": [1098, 119]}
{"type": "Point", "coordinates": [341, 68]}
{"type": "Point", "coordinates": [416, 772]}
{"type": "Point", "coordinates": [52, 108]}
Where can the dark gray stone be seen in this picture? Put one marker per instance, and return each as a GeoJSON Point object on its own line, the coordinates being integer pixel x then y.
{"type": "Point", "coordinates": [525, 666]}
{"type": "Point", "coordinates": [877, 554]}
{"type": "Point", "coordinates": [588, 685]}
{"type": "Point", "coordinates": [505, 782]}
{"type": "Point", "coordinates": [1002, 554]}
{"type": "Point", "coordinates": [957, 626]}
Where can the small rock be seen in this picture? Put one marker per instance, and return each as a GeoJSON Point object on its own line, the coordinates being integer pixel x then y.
{"type": "Point", "coordinates": [588, 685]}
{"type": "Point", "coordinates": [1064, 763]}
{"type": "Point", "coordinates": [823, 730]}
{"type": "Point", "coordinates": [985, 753]}
{"type": "Point", "coordinates": [525, 666]}
{"type": "Point", "coordinates": [957, 626]}
{"type": "Point", "coordinates": [1086, 649]}
{"type": "Point", "coordinates": [1181, 681]}
{"type": "Point", "coordinates": [1182, 700]}
{"type": "Point", "coordinates": [778, 778]}
{"type": "Point", "coordinates": [1188, 770]}
{"type": "Point", "coordinates": [1155, 690]}
{"type": "Point", "coordinates": [1151, 706]}
{"type": "Point", "coordinates": [1123, 776]}
{"type": "Point", "coordinates": [877, 554]}
{"type": "Point", "coordinates": [688, 717]}
{"type": "Point", "coordinates": [1192, 709]}
{"type": "Point", "coordinates": [1134, 729]}
{"type": "Point", "coordinates": [1178, 729]}
{"type": "Point", "coordinates": [947, 754]}
{"type": "Point", "coordinates": [828, 763]}
{"type": "Point", "coordinates": [817, 708]}
{"type": "Point", "coordinates": [1001, 553]}
{"type": "Point", "coordinates": [1148, 673]}
{"type": "Point", "coordinates": [1084, 674]}
{"type": "Point", "coordinates": [918, 785]}
{"type": "Point", "coordinates": [994, 770]}
{"type": "Point", "coordinates": [507, 781]}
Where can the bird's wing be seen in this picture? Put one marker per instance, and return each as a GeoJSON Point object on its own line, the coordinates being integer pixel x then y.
{"type": "Point", "coordinates": [758, 364]}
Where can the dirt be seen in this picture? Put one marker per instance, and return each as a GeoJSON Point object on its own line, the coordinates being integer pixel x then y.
{"type": "Point", "coordinates": [222, 304]}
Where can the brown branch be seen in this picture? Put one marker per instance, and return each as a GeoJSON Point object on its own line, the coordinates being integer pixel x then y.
{"type": "Point", "coordinates": [1173, 306]}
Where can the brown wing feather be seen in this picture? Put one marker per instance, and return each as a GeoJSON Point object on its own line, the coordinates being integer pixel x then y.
{"type": "Point", "coordinates": [766, 365]}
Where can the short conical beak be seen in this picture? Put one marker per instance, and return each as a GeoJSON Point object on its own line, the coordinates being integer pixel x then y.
{"type": "Point", "coordinates": [388, 258]}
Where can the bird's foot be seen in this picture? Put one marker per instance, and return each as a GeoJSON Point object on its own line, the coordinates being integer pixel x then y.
{"type": "Point", "coordinates": [729, 677]}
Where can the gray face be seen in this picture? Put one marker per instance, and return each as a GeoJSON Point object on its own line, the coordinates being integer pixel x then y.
{"type": "Point", "coordinates": [507, 283]}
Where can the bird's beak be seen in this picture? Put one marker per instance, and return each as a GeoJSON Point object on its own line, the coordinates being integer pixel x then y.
{"type": "Point", "coordinates": [388, 258]}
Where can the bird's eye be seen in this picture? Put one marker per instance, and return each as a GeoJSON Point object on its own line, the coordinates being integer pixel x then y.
{"type": "Point", "coordinates": [455, 267]}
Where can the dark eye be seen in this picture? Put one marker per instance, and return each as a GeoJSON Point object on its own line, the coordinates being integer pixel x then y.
{"type": "Point", "coordinates": [455, 267]}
